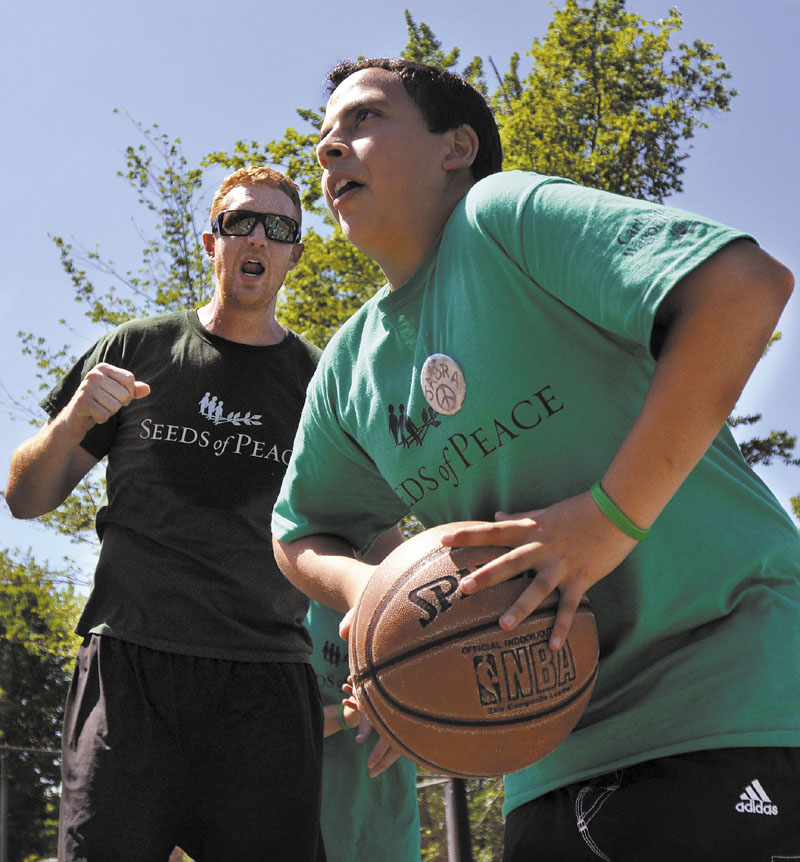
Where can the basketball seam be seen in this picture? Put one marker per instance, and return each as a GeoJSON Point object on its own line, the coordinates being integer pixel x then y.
{"type": "Point", "coordinates": [482, 722]}
{"type": "Point", "coordinates": [417, 758]}
{"type": "Point", "coordinates": [409, 573]}
{"type": "Point", "coordinates": [392, 592]}
{"type": "Point", "coordinates": [371, 668]}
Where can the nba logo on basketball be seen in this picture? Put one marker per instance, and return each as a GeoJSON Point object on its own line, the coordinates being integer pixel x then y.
{"type": "Point", "coordinates": [514, 676]}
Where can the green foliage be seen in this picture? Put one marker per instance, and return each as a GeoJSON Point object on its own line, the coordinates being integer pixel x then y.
{"type": "Point", "coordinates": [329, 283]}
{"type": "Point", "coordinates": [485, 797]}
{"type": "Point", "coordinates": [294, 154]}
{"type": "Point", "coordinates": [484, 802]}
{"type": "Point", "coordinates": [607, 104]}
{"type": "Point", "coordinates": [430, 795]}
{"type": "Point", "coordinates": [762, 450]}
{"type": "Point", "coordinates": [74, 518]}
{"type": "Point", "coordinates": [37, 617]}
{"type": "Point", "coordinates": [173, 273]}
{"type": "Point", "coordinates": [424, 47]}
{"type": "Point", "coordinates": [777, 444]}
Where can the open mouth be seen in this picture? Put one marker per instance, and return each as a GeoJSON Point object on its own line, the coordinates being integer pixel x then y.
{"type": "Point", "coordinates": [252, 267]}
{"type": "Point", "coordinates": [345, 186]}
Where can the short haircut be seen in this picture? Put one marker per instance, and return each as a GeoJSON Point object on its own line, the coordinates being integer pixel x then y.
{"type": "Point", "coordinates": [445, 100]}
{"type": "Point", "coordinates": [254, 175]}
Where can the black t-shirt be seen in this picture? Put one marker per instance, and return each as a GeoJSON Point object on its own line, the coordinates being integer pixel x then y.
{"type": "Point", "coordinates": [194, 468]}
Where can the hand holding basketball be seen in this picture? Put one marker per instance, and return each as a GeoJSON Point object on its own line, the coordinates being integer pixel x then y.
{"type": "Point", "coordinates": [570, 545]}
{"type": "Point", "coordinates": [440, 680]}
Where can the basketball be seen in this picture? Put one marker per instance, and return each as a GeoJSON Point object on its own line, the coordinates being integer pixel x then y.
{"type": "Point", "coordinates": [439, 679]}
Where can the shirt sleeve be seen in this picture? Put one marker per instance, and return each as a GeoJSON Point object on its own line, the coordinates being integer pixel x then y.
{"type": "Point", "coordinates": [331, 485]}
{"type": "Point", "coordinates": [610, 258]}
{"type": "Point", "coordinates": [97, 440]}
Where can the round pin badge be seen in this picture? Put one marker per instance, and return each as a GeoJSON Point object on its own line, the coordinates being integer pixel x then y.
{"type": "Point", "coordinates": [443, 383]}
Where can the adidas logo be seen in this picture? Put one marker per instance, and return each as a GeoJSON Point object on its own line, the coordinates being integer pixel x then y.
{"type": "Point", "coordinates": [755, 800]}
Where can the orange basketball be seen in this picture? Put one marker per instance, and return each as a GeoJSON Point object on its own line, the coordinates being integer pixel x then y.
{"type": "Point", "coordinates": [437, 676]}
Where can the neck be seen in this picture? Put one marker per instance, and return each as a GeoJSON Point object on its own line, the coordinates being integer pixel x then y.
{"type": "Point", "coordinates": [400, 264]}
{"type": "Point", "coordinates": [245, 326]}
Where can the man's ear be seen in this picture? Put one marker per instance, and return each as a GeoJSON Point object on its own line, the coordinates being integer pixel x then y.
{"type": "Point", "coordinates": [208, 244]}
{"type": "Point", "coordinates": [463, 148]}
{"type": "Point", "coordinates": [297, 252]}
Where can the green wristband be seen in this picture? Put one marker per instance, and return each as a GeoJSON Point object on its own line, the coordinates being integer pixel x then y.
{"type": "Point", "coordinates": [340, 717]}
{"type": "Point", "coordinates": [614, 514]}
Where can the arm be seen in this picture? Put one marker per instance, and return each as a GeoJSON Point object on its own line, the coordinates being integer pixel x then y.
{"type": "Point", "coordinates": [713, 328]}
{"type": "Point", "coordinates": [382, 756]}
{"type": "Point", "coordinates": [330, 712]}
{"type": "Point", "coordinates": [328, 570]}
{"type": "Point", "coordinates": [45, 469]}
{"type": "Point", "coordinates": [324, 568]}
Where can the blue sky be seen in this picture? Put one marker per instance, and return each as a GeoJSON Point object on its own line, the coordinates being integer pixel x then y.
{"type": "Point", "coordinates": [215, 73]}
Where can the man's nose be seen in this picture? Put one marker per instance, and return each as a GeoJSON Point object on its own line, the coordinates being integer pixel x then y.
{"type": "Point", "coordinates": [258, 233]}
{"type": "Point", "coordinates": [330, 149]}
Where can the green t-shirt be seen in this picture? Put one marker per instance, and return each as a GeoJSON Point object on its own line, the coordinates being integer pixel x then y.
{"type": "Point", "coordinates": [363, 819]}
{"type": "Point", "coordinates": [186, 561]}
{"type": "Point", "coordinates": [545, 294]}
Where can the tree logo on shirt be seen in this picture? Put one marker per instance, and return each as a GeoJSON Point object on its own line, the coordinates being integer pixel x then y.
{"type": "Point", "coordinates": [405, 431]}
{"type": "Point", "coordinates": [645, 228]}
{"type": "Point", "coordinates": [212, 408]}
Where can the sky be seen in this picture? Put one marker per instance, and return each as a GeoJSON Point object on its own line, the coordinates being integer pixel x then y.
{"type": "Point", "coordinates": [213, 74]}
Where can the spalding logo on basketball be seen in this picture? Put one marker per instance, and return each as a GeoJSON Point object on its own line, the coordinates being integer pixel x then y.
{"type": "Point", "coordinates": [439, 678]}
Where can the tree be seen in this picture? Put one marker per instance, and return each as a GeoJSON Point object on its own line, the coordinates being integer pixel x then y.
{"type": "Point", "coordinates": [777, 444]}
{"type": "Point", "coordinates": [37, 644]}
{"type": "Point", "coordinates": [607, 102]}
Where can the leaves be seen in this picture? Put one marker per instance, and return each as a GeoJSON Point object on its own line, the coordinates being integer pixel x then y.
{"type": "Point", "coordinates": [37, 644]}
{"type": "Point", "coordinates": [607, 103]}
{"type": "Point", "coordinates": [777, 444]}
{"type": "Point", "coordinates": [331, 281]}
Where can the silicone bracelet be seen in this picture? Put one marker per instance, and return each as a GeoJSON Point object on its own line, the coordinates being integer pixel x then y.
{"type": "Point", "coordinates": [614, 514]}
{"type": "Point", "coordinates": [340, 717]}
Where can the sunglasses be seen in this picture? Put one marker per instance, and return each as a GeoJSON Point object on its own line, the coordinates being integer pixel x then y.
{"type": "Point", "coordinates": [279, 228]}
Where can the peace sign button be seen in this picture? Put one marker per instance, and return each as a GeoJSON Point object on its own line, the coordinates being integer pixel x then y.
{"type": "Point", "coordinates": [443, 384]}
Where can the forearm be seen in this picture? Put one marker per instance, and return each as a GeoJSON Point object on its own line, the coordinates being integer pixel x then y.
{"type": "Point", "coordinates": [722, 317]}
{"type": "Point", "coordinates": [330, 713]}
{"type": "Point", "coordinates": [324, 568]}
{"type": "Point", "coordinates": [45, 469]}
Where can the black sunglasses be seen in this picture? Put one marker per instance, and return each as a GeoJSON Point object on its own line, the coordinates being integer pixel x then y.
{"type": "Point", "coordinates": [279, 228]}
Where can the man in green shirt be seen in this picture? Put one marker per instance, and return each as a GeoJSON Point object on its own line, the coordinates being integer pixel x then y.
{"type": "Point", "coordinates": [560, 362]}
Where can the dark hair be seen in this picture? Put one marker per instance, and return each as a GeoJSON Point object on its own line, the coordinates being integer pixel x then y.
{"type": "Point", "coordinates": [445, 100]}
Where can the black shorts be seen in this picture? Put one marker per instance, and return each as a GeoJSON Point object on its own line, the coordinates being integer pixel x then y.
{"type": "Point", "coordinates": [222, 758]}
{"type": "Point", "coordinates": [737, 804]}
